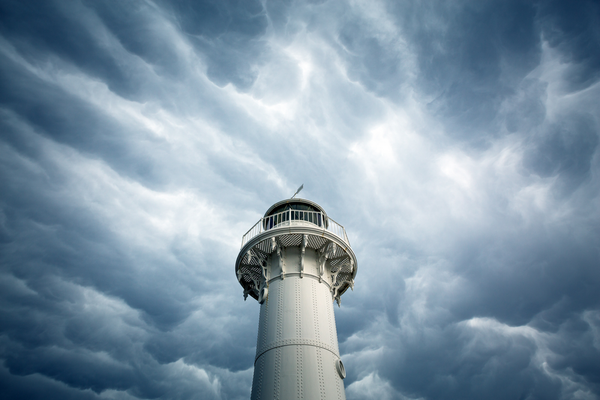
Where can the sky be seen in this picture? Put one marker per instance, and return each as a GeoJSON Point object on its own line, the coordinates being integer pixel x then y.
{"type": "Point", "coordinates": [456, 141]}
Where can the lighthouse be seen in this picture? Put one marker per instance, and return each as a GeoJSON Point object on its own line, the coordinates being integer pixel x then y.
{"type": "Point", "coordinates": [296, 261]}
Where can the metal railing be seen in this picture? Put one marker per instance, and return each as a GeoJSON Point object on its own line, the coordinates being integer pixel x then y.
{"type": "Point", "coordinates": [296, 217]}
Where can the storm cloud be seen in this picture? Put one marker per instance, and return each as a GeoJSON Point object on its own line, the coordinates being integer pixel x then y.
{"type": "Point", "coordinates": [457, 142]}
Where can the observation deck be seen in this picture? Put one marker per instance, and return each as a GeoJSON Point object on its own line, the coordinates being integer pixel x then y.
{"type": "Point", "coordinates": [296, 223]}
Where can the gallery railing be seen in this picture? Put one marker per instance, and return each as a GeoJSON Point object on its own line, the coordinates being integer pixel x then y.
{"type": "Point", "coordinates": [296, 217]}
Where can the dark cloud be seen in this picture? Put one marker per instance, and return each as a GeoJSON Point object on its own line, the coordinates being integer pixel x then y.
{"type": "Point", "coordinates": [66, 119]}
{"type": "Point", "coordinates": [528, 108]}
{"type": "Point", "coordinates": [565, 149]}
{"type": "Point", "coordinates": [38, 387]}
{"type": "Point", "coordinates": [372, 60]}
{"type": "Point", "coordinates": [471, 65]}
{"type": "Point", "coordinates": [574, 32]}
{"type": "Point", "coordinates": [140, 32]}
{"type": "Point", "coordinates": [228, 34]}
{"type": "Point", "coordinates": [46, 31]}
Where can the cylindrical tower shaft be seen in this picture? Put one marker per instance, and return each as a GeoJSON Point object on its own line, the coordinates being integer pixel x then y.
{"type": "Point", "coordinates": [297, 355]}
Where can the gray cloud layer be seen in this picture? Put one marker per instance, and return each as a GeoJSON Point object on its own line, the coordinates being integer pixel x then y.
{"type": "Point", "coordinates": [456, 142]}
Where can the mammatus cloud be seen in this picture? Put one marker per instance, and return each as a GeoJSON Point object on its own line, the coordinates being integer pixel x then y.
{"type": "Point", "coordinates": [457, 144]}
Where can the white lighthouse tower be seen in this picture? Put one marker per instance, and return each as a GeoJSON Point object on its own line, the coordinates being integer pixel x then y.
{"type": "Point", "coordinates": [295, 261]}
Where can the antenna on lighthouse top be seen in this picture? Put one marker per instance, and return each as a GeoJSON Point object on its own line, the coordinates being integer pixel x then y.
{"type": "Point", "coordinates": [298, 191]}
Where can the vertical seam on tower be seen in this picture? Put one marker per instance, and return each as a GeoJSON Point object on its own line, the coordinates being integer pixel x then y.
{"type": "Point", "coordinates": [320, 371]}
{"type": "Point", "coordinates": [299, 383]}
{"type": "Point", "coordinates": [297, 309]}
{"type": "Point", "coordinates": [264, 327]}
{"type": "Point", "coordinates": [315, 310]}
{"type": "Point", "coordinates": [321, 374]}
{"type": "Point", "coordinates": [300, 372]}
{"type": "Point", "coordinates": [332, 333]}
{"type": "Point", "coordinates": [277, 373]}
{"type": "Point", "coordinates": [279, 334]}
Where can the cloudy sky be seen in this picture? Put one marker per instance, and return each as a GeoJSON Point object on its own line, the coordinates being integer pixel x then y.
{"type": "Point", "coordinates": [456, 141]}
